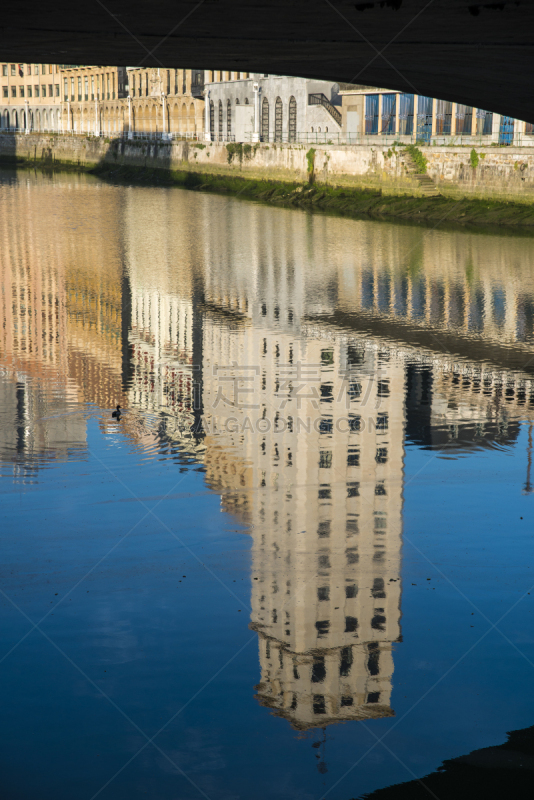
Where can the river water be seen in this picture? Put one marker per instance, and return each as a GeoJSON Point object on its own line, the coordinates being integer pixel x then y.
{"type": "Point", "coordinates": [299, 565]}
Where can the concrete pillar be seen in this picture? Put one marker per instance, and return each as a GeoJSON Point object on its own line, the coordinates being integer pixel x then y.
{"type": "Point", "coordinates": [130, 134]}
{"type": "Point", "coordinates": [207, 132]}
{"type": "Point", "coordinates": [434, 107]}
{"type": "Point", "coordinates": [397, 103]}
{"type": "Point", "coordinates": [256, 134]}
{"type": "Point", "coordinates": [519, 132]}
{"type": "Point", "coordinates": [495, 128]}
{"type": "Point", "coordinates": [453, 119]}
{"type": "Point", "coordinates": [380, 106]}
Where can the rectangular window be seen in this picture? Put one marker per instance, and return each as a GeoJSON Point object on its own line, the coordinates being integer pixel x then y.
{"type": "Point", "coordinates": [21, 91]}
{"type": "Point", "coordinates": [43, 90]}
{"type": "Point", "coordinates": [72, 89]}
{"type": "Point", "coordinates": [325, 459]}
{"type": "Point", "coordinates": [13, 91]}
{"type": "Point", "coordinates": [13, 69]}
{"type": "Point", "coordinates": [4, 70]}
{"type": "Point", "coordinates": [424, 118]}
{"type": "Point", "coordinates": [108, 91]}
{"type": "Point", "coordinates": [92, 87]}
{"type": "Point", "coordinates": [4, 91]}
{"type": "Point", "coordinates": [529, 128]}
{"type": "Point", "coordinates": [66, 89]}
{"type": "Point", "coordinates": [406, 114]}
{"type": "Point", "coordinates": [57, 89]}
{"type": "Point", "coordinates": [388, 113]}
{"type": "Point", "coordinates": [29, 91]}
{"type": "Point", "coordinates": [36, 69]}
{"type": "Point", "coordinates": [484, 122]}
{"type": "Point", "coordinates": [36, 91]}
{"type": "Point", "coordinates": [113, 86]}
{"type": "Point", "coordinates": [443, 117]}
{"type": "Point", "coordinates": [86, 88]}
{"type": "Point", "coordinates": [371, 114]}
{"type": "Point", "coordinates": [464, 119]}
{"type": "Point", "coordinates": [50, 89]}
{"type": "Point", "coordinates": [29, 69]}
{"type": "Point", "coordinates": [79, 88]}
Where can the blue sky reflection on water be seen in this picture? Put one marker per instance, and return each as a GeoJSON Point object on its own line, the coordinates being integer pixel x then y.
{"type": "Point", "coordinates": [149, 614]}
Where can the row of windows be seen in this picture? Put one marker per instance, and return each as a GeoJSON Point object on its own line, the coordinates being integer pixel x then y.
{"type": "Point", "coordinates": [278, 118]}
{"type": "Point", "coordinates": [39, 90]}
{"type": "Point", "coordinates": [353, 457]}
{"type": "Point", "coordinates": [353, 490]}
{"type": "Point", "coordinates": [318, 670]}
{"type": "Point", "coordinates": [104, 84]}
{"type": "Point", "coordinates": [27, 69]}
{"type": "Point", "coordinates": [354, 423]}
{"type": "Point", "coordinates": [401, 120]}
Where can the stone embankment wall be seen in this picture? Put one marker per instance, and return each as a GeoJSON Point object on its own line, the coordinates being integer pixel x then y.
{"type": "Point", "coordinates": [500, 172]}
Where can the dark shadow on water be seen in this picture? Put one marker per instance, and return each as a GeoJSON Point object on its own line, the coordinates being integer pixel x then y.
{"type": "Point", "coordinates": [505, 771]}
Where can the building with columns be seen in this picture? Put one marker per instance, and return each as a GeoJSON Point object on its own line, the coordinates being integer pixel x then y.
{"type": "Point", "coordinates": [30, 97]}
{"type": "Point", "coordinates": [383, 114]}
{"type": "Point", "coordinates": [165, 100]}
{"type": "Point", "coordinates": [246, 107]}
{"type": "Point", "coordinates": [91, 99]}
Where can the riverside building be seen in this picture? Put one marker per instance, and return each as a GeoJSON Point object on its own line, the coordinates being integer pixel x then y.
{"type": "Point", "coordinates": [30, 97]}
{"type": "Point", "coordinates": [383, 115]}
{"type": "Point", "coordinates": [242, 106]}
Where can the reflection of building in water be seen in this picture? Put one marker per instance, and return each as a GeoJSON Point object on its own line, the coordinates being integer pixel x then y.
{"type": "Point", "coordinates": [475, 285]}
{"type": "Point", "coordinates": [64, 303]}
{"type": "Point", "coordinates": [313, 463]}
{"type": "Point", "coordinates": [165, 326]}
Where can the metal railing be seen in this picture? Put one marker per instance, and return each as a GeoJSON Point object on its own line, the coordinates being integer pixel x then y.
{"type": "Point", "coordinates": [307, 137]}
{"type": "Point", "coordinates": [320, 99]}
{"type": "Point", "coordinates": [391, 139]}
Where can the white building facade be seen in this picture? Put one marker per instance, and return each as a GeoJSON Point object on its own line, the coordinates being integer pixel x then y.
{"type": "Point", "coordinates": [269, 108]}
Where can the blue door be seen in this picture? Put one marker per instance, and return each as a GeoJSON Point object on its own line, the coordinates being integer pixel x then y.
{"type": "Point", "coordinates": [506, 131]}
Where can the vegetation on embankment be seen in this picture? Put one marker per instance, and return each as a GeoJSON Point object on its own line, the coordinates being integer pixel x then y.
{"type": "Point", "coordinates": [348, 201]}
{"type": "Point", "coordinates": [343, 200]}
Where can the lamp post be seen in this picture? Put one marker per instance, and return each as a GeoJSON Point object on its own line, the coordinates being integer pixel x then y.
{"type": "Point", "coordinates": [256, 134]}
{"type": "Point", "coordinates": [163, 111]}
{"type": "Point", "coordinates": [130, 134]}
{"type": "Point", "coordinates": [207, 117]}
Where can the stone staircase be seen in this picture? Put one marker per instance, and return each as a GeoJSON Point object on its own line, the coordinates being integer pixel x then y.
{"type": "Point", "coordinates": [427, 185]}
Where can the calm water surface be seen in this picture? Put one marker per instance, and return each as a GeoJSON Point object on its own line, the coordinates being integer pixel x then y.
{"type": "Point", "coordinates": [300, 564]}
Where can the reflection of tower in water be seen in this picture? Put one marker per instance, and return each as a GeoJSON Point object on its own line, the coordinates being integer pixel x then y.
{"type": "Point", "coordinates": [318, 476]}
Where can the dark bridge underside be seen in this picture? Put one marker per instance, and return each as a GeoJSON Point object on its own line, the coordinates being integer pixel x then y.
{"type": "Point", "coordinates": [480, 54]}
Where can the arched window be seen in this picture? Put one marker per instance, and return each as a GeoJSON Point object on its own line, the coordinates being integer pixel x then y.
{"type": "Point", "coordinates": [212, 118]}
{"type": "Point", "coordinates": [192, 119]}
{"type": "Point", "coordinates": [15, 120]}
{"type": "Point", "coordinates": [278, 120]}
{"type": "Point", "coordinates": [220, 120]}
{"type": "Point", "coordinates": [184, 81]}
{"type": "Point", "coordinates": [246, 101]}
{"type": "Point", "coordinates": [292, 129]}
{"type": "Point", "coordinates": [237, 101]}
{"type": "Point", "coordinates": [229, 118]}
{"type": "Point", "coordinates": [265, 120]}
